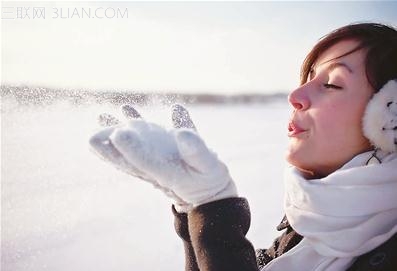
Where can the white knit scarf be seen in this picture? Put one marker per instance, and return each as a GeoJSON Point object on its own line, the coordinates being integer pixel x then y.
{"type": "Point", "coordinates": [341, 216]}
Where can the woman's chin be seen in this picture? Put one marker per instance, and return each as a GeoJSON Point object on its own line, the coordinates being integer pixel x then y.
{"type": "Point", "coordinates": [295, 160]}
{"type": "Point", "coordinates": [293, 155]}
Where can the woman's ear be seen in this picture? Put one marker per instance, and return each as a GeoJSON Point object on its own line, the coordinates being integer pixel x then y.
{"type": "Point", "coordinates": [380, 118]}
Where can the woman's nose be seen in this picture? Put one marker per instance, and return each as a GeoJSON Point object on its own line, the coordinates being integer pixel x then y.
{"type": "Point", "coordinates": [299, 98]}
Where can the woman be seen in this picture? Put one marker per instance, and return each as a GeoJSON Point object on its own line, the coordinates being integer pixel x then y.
{"type": "Point", "coordinates": [341, 188]}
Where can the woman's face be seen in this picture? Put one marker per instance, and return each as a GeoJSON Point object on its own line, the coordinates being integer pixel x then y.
{"type": "Point", "coordinates": [325, 128]}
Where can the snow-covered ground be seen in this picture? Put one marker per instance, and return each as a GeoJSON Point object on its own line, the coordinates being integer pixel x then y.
{"type": "Point", "coordinates": [62, 208]}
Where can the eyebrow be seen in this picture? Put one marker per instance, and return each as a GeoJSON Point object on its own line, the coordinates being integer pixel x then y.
{"type": "Point", "coordinates": [335, 65]}
{"type": "Point", "coordinates": [331, 67]}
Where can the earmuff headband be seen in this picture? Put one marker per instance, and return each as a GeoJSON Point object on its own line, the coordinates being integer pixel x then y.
{"type": "Point", "coordinates": [380, 118]}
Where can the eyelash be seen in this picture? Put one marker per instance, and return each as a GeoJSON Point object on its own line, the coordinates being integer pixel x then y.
{"type": "Point", "coordinates": [332, 86]}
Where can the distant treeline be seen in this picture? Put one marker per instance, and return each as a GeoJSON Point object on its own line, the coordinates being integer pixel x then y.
{"type": "Point", "coordinates": [45, 96]}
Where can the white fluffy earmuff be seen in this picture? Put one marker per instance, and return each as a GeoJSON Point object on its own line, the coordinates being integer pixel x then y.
{"type": "Point", "coordinates": [380, 118]}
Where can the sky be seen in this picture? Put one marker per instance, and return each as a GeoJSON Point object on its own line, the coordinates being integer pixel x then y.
{"type": "Point", "coordinates": [184, 46]}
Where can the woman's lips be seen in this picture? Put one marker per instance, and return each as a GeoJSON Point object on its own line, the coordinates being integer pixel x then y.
{"type": "Point", "coordinates": [294, 129]}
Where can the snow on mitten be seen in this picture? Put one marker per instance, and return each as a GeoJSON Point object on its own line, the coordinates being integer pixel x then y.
{"type": "Point", "coordinates": [102, 146]}
{"type": "Point", "coordinates": [177, 161]}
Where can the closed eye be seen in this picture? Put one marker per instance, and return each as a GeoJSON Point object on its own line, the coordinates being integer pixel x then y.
{"type": "Point", "coordinates": [332, 86]}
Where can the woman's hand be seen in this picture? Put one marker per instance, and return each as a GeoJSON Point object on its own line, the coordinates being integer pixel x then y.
{"type": "Point", "coordinates": [177, 161]}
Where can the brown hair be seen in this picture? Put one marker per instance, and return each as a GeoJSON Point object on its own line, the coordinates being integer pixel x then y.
{"type": "Point", "coordinates": [379, 40]}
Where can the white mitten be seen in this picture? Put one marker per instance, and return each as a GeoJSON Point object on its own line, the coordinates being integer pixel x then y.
{"type": "Point", "coordinates": [177, 161]}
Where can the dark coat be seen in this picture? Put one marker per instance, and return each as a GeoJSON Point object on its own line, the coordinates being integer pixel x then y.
{"type": "Point", "coordinates": [214, 240]}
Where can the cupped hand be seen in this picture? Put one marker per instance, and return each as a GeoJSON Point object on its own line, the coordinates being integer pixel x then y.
{"type": "Point", "coordinates": [177, 161]}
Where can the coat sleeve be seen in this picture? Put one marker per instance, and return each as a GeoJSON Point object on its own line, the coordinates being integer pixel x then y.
{"type": "Point", "coordinates": [182, 229]}
{"type": "Point", "coordinates": [214, 236]}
